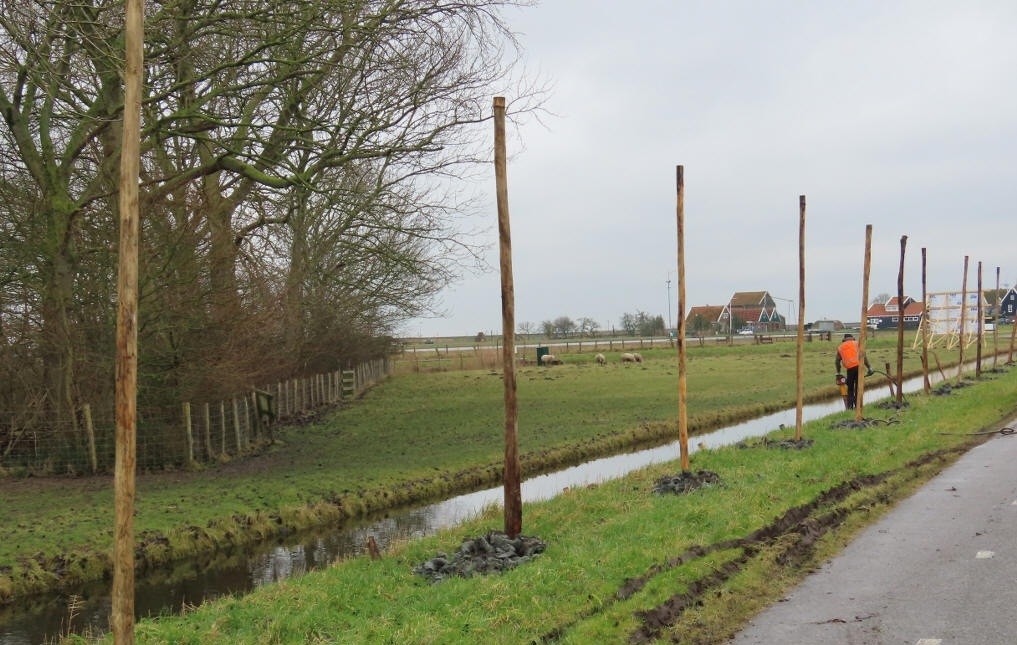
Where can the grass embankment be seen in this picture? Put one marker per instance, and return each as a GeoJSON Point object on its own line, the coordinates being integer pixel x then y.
{"type": "Point", "coordinates": [623, 564]}
{"type": "Point", "coordinates": [412, 438]}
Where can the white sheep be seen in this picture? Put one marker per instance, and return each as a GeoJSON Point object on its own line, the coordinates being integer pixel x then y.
{"type": "Point", "coordinates": [550, 359]}
{"type": "Point", "coordinates": [628, 358]}
{"type": "Point", "coordinates": [600, 359]}
{"type": "Point", "coordinates": [638, 357]}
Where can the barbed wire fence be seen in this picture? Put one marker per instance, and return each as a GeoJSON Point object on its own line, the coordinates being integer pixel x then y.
{"type": "Point", "coordinates": [197, 433]}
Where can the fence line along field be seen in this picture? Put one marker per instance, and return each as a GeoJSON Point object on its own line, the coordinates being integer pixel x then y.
{"type": "Point", "coordinates": [195, 433]}
{"type": "Point", "coordinates": [463, 353]}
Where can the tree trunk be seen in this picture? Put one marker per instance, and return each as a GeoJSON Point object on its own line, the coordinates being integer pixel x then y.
{"type": "Point", "coordinates": [57, 341]}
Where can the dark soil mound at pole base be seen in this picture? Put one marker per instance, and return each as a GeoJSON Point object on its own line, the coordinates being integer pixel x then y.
{"type": "Point", "coordinates": [491, 553]}
{"type": "Point", "coordinates": [686, 482]}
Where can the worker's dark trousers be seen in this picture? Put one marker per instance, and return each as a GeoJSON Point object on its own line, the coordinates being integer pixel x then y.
{"type": "Point", "coordinates": [851, 380]}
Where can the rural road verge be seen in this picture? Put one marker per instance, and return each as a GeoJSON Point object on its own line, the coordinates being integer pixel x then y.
{"type": "Point", "coordinates": [939, 569]}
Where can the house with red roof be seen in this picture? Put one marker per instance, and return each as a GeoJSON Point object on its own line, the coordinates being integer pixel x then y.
{"type": "Point", "coordinates": [755, 310]}
{"type": "Point", "coordinates": [886, 314]}
{"type": "Point", "coordinates": [745, 310]}
{"type": "Point", "coordinates": [706, 319]}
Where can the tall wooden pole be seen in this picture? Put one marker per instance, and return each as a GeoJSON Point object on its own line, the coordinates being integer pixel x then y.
{"type": "Point", "coordinates": [980, 333]}
{"type": "Point", "coordinates": [513, 489]}
{"type": "Point", "coordinates": [683, 418]}
{"type": "Point", "coordinates": [859, 395]}
{"type": "Point", "coordinates": [995, 323]}
{"type": "Point", "coordinates": [900, 324]}
{"type": "Point", "coordinates": [1013, 340]}
{"type": "Point", "coordinates": [127, 331]}
{"type": "Point", "coordinates": [963, 315]}
{"type": "Point", "coordinates": [926, 383]}
{"type": "Point", "coordinates": [800, 356]}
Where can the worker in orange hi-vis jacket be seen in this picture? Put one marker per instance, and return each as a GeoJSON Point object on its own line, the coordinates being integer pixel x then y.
{"type": "Point", "coordinates": [848, 356]}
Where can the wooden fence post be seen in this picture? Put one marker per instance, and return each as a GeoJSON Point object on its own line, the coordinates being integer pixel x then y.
{"type": "Point", "coordinates": [222, 425]}
{"type": "Point", "coordinates": [208, 433]}
{"type": "Point", "coordinates": [236, 426]}
{"type": "Point", "coordinates": [189, 436]}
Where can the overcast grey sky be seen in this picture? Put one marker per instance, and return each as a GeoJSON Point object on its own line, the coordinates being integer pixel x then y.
{"type": "Point", "coordinates": [902, 115]}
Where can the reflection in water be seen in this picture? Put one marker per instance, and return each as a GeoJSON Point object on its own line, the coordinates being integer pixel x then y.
{"type": "Point", "coordinates": [234, 572]}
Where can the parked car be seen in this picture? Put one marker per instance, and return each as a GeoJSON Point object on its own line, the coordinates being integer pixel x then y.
{"type": "Point", "coordinates": [746, 331]}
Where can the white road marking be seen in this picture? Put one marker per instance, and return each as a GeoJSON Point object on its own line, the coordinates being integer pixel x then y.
{"type": "Point", "coordinates": [984, 555]}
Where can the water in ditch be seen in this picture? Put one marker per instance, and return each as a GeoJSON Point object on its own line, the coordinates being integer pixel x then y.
{"type": "Point", "coordinates": [42, 618]}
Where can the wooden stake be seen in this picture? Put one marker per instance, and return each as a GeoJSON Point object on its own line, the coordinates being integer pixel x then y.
{"type": "Point", "coordinates": [800, 356]}
{"type": "Point", "coordinates": [963, 315]}
{"type": "Point", "coordinates": [513, 486]}
{"type": "Point", "coordinates": [683, 417]}
{"type": "Point", "coordinates": [939, 366]}
{"type": "Point", "coordinates": [188, 436]}
{"type": "Point", "coordinates": [980, 329]}
{"type": "Point", "coordinates": [122, 612]}
{"type": "Point", "coordinates": [859, 395]}
{"type": "Point", "coordinates": [1013, 337]}
{"type": "Point", "coordinates": [926, 383]}
{"type": "Point", "coordinates": [208, 433]}
{"type": "Point", "coordinates": [995, 323]}
{"type": "Point", "coordinates": [900, 324]}
{"type": "Point", "coordinates": [222, 427]}
{"type": "Point", "coordinates": [236, 426]}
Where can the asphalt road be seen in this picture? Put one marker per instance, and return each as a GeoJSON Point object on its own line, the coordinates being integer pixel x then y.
{"type": "Point", "coordinates": [940, 569]}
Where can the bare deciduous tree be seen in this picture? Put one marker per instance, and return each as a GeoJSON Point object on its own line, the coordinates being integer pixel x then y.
{"type": "Point", "coordinates": [298, 161]}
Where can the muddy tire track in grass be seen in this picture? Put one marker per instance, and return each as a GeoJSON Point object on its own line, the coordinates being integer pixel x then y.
{"type": "Point", "coordinates": [791, 539]}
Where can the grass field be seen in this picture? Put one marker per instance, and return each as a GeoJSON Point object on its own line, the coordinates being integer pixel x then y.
{"type": "Point", "coordinates": [413, 438]}
{"type": "Point", "coordinates": [700, 564]}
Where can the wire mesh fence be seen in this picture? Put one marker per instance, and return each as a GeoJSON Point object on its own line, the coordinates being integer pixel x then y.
{"type": "Point", "coordinates": [34, 442]}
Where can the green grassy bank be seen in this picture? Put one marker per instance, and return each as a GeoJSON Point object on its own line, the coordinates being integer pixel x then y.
{"type": "Point", "coordinates": [623, 564]}
{"type": "Point", "coordinates": [413, 438]}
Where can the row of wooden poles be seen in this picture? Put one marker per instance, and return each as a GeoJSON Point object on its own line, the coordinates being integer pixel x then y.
{"type": "Point", "coordinates": [512, 497]}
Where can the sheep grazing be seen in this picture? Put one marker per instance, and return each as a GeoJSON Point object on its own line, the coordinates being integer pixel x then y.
{"type": "Point", "coordinates": [600, 359]}
{"type": "Point", "coordinates": [628, 358]}
{"type": "Point", "coordinates": [638, 356]}
{"type": "Point", "coordinates": [550, 359]}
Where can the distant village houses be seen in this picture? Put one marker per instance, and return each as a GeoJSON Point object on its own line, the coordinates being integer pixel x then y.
{"type": "Point", "coordinates": [745, 312]}
{"type": "Point", "coordinates": [884, 315]}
